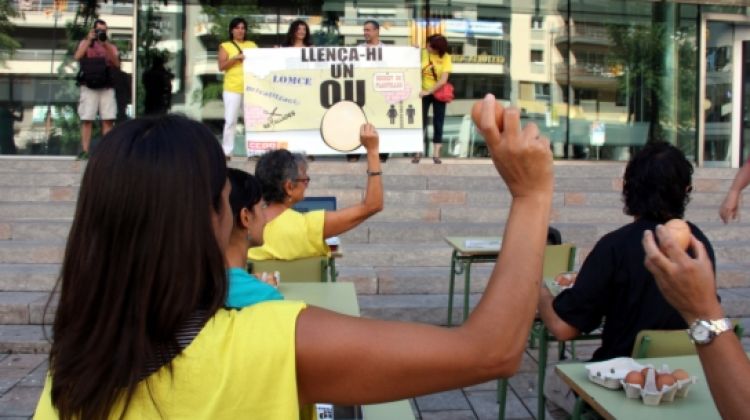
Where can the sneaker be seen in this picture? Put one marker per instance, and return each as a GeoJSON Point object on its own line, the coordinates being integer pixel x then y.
{"type": "Point", "coordinates": [437, 160]}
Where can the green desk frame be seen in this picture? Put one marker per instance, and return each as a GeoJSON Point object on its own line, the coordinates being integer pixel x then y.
{"type": "Point", "coordinates": [461, 260]}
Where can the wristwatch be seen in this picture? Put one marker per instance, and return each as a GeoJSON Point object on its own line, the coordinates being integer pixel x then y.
{"type": "Point", "coordinates": [704, 331]}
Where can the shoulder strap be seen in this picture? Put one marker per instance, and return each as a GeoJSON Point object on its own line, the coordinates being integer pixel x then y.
{"type": "Point", "coordinates": [239, 50]}
{"type": "Point", "coordinates": [432, 67]}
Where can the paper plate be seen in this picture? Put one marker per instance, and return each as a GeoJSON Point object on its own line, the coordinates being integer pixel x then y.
{"type": "Point", "coordinates": [340, 126]}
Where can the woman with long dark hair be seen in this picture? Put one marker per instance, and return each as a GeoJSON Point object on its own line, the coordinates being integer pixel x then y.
{"type": "Point", "coordinates": [298, 35]}
{"type": "Point", "coordinates": [141, 331]}
{"type": "Point", "coordinates": [230, 62]}
{"type": "Point", "coordinates": [436, 67]}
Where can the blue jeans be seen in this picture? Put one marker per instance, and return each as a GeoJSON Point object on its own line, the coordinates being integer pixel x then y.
{"type": "Point", "coordinates": [438, 118]}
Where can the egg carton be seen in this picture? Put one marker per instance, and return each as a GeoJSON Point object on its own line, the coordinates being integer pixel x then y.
{"type": "Point", "coordinates": [610, 373]}
{"type": "Point", "coordinates": [650, 395]}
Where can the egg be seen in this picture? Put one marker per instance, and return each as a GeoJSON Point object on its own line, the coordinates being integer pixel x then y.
{"type": "Point", "coordinates": [565, 279]}
{"type": "Point", "coordinates": [644, 372]}
{"type": "Point", "coordinates": [476, 114]}
{"type": "Point", "coordinates": [664, 380]}
{"type": "Point", "coordinates": [679, 231]}
{"type": "Point", "coordinates": [680, 375]}
{"type": "Point", "coordinates": [635, 378]}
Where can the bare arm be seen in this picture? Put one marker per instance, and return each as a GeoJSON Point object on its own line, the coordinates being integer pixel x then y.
{"type": "Point", "coordinates": [438, 84]}
{"type": "Point", "coordinates": [225, 63]}
{"type": "Point", "coordinates": [366, 361]}
{"type": "Point", "coordinates": [112, 55]}
{"type": "Point", "coordinates": [559, 328]}
{"type": "Point", "coordinates": [688, 285]}
{"type": "Point", "coordinates": [83, 46]}
{"type": "Point", "coordinates": [340, 221]}
{"type": "Point", "coordinates": [729, 209]}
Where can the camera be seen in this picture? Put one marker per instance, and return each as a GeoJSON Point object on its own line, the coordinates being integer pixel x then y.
{"type": "Point", "coordinates": [101, 35]}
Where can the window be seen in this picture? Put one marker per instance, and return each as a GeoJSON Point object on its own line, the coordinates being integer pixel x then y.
{"type": "Point", "coordinates": [537, 56]}
{"type": "Point", "coordinates": [541, 90]}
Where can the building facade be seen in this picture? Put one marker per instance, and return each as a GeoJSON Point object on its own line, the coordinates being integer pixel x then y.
{"type": "Point", "coordinates": [599, 77]}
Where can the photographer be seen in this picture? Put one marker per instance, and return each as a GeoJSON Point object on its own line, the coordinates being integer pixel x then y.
{"type": "Point", "coordinates": [97, 56]}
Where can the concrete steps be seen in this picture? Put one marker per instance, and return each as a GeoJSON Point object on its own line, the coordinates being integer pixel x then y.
{"type": "Point", "coordinates": [398, 259]}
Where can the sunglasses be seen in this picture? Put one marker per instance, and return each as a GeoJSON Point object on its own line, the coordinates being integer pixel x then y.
{"type": "Point", "coordinates": [305, 181]}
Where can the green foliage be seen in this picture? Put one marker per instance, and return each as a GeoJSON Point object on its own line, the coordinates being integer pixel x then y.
{"type": "Point", "coordinates": [220, 16]}
{"type": "Point", "coordinates": [8, 44]}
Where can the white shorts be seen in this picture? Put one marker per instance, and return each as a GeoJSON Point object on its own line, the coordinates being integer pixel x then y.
{"type": "Point", "coordinates": [97, 100]}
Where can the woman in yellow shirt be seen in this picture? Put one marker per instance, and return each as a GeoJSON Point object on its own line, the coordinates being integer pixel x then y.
{"type": "Point", "coordinates": [289, 234]}
{"type": "Point", "coordinates": [141, 331]}
{"type": "Point", "coordinates": [436, 67]}
{"type": "Point", "coordinates": [230, 62]}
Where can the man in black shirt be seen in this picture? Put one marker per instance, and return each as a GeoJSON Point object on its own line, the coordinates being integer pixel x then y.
{"type": "Point", "coordinates": [613, 285]}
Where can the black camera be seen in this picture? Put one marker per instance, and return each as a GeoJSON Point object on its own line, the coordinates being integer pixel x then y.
{"type": "Point", "coordinates": [101, 35]}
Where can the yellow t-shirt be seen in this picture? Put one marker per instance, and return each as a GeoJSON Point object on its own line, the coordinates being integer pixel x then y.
{"type": "Point", "coordinates": [292, 235]}
{"type": "Point", "coordinates": [441, 65]}
{"type": "Point", "coordinates": [240, 365]}
{"type": "Point", "coordinates": [234, 77]}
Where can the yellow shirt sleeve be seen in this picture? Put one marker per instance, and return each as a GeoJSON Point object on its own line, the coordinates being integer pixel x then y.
{"type": "Point", "coordinates": [242, 364]}
{"type": "Point", "coordinates": [292, 235]}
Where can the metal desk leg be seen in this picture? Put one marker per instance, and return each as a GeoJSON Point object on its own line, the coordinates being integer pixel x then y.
{"type": "Point", "coordinates": [451, 287]}
{"type": "Point", "coordinates": [467, 287]}
{"type": "Point", "coordinates": [542, 364]}
{"type": "Point", "coordinates": [332, 270]}
{"type": "Point", "coordinates": [502, 395]}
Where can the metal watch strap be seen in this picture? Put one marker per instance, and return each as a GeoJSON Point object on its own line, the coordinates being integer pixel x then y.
{"type": "Point", "coordinates": [713, 327]}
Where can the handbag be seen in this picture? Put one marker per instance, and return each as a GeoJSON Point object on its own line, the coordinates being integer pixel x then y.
{"type": "Point", "coordinates": [445, 92]}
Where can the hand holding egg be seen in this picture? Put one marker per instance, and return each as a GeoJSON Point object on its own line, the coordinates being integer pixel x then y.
{"type": "Point", "coordinates": [679, 230]}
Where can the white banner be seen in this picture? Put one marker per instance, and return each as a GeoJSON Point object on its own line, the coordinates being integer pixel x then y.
{"type": "Point", "coordinates": [314, 99]}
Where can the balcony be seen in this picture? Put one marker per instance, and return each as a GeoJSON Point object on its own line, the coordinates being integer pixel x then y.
{"type": "Point", "coordinates": [586, 75]}
{"type": "Point", "coordinates": [585, 34]}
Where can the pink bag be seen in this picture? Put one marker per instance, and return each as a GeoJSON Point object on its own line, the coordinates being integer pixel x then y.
{"type": "Point", "coordinates": [445, 93]}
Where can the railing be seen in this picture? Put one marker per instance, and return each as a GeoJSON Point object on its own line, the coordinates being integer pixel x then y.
{"type": "Point", "coordinates": [585, 70]}
{"type": "Point", "coordinates": [119, 8]}
{"type": "Point", "coordinates": [46, 55]}
{"type": "Point", "coordinates": [597, 33]}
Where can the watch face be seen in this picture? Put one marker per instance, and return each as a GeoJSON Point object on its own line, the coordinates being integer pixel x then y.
{"type": "Point", "coordinates": [700, 333]}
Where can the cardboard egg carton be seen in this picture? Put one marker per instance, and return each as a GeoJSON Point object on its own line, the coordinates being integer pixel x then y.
{"type": "Point", "coordinates": [653, 396]}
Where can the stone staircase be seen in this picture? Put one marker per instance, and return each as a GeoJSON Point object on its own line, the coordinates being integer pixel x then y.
{"type": "Point", "coordinates": [398, 260]}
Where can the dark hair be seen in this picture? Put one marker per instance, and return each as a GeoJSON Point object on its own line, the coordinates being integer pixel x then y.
{"type": "Point", "coordinates": [657, 183]}
{"type": "Point", "coordinates": [99, 22]}
{"type": "Point", "coordinates": [234, 23]}
{"type": "Point", "coordinates": [142, 257]}
{"type": "Point", "coordinates": [374, 23]}
{"type": "Point", "coordinates": [438, 43]}
{"type": "Point", "coordinates": [274, 168]}
{"type": "Point", "coordinates": [289, 41]}
{"type": "Point", "coordinates": [246, 192]}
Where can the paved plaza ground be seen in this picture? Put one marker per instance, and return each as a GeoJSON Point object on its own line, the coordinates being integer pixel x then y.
{"type": "Point", "coordinates": [22, 376]}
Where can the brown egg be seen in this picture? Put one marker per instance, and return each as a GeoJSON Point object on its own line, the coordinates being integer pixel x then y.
{"type": "Point", "coordinates": [664, 380]}
{"type": "Point", "coordinates": [680, 232]}
{"type": "Point", "coordinates": [644, 372]}
{"type": "Point", "coordinates": [635, 378]}
{"type": "Point", "coordinates": [476, 113]}
{"type": "Point", "coordinates": [565, 279]}
{"type": "Point", "coordinates": [680, 375]}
